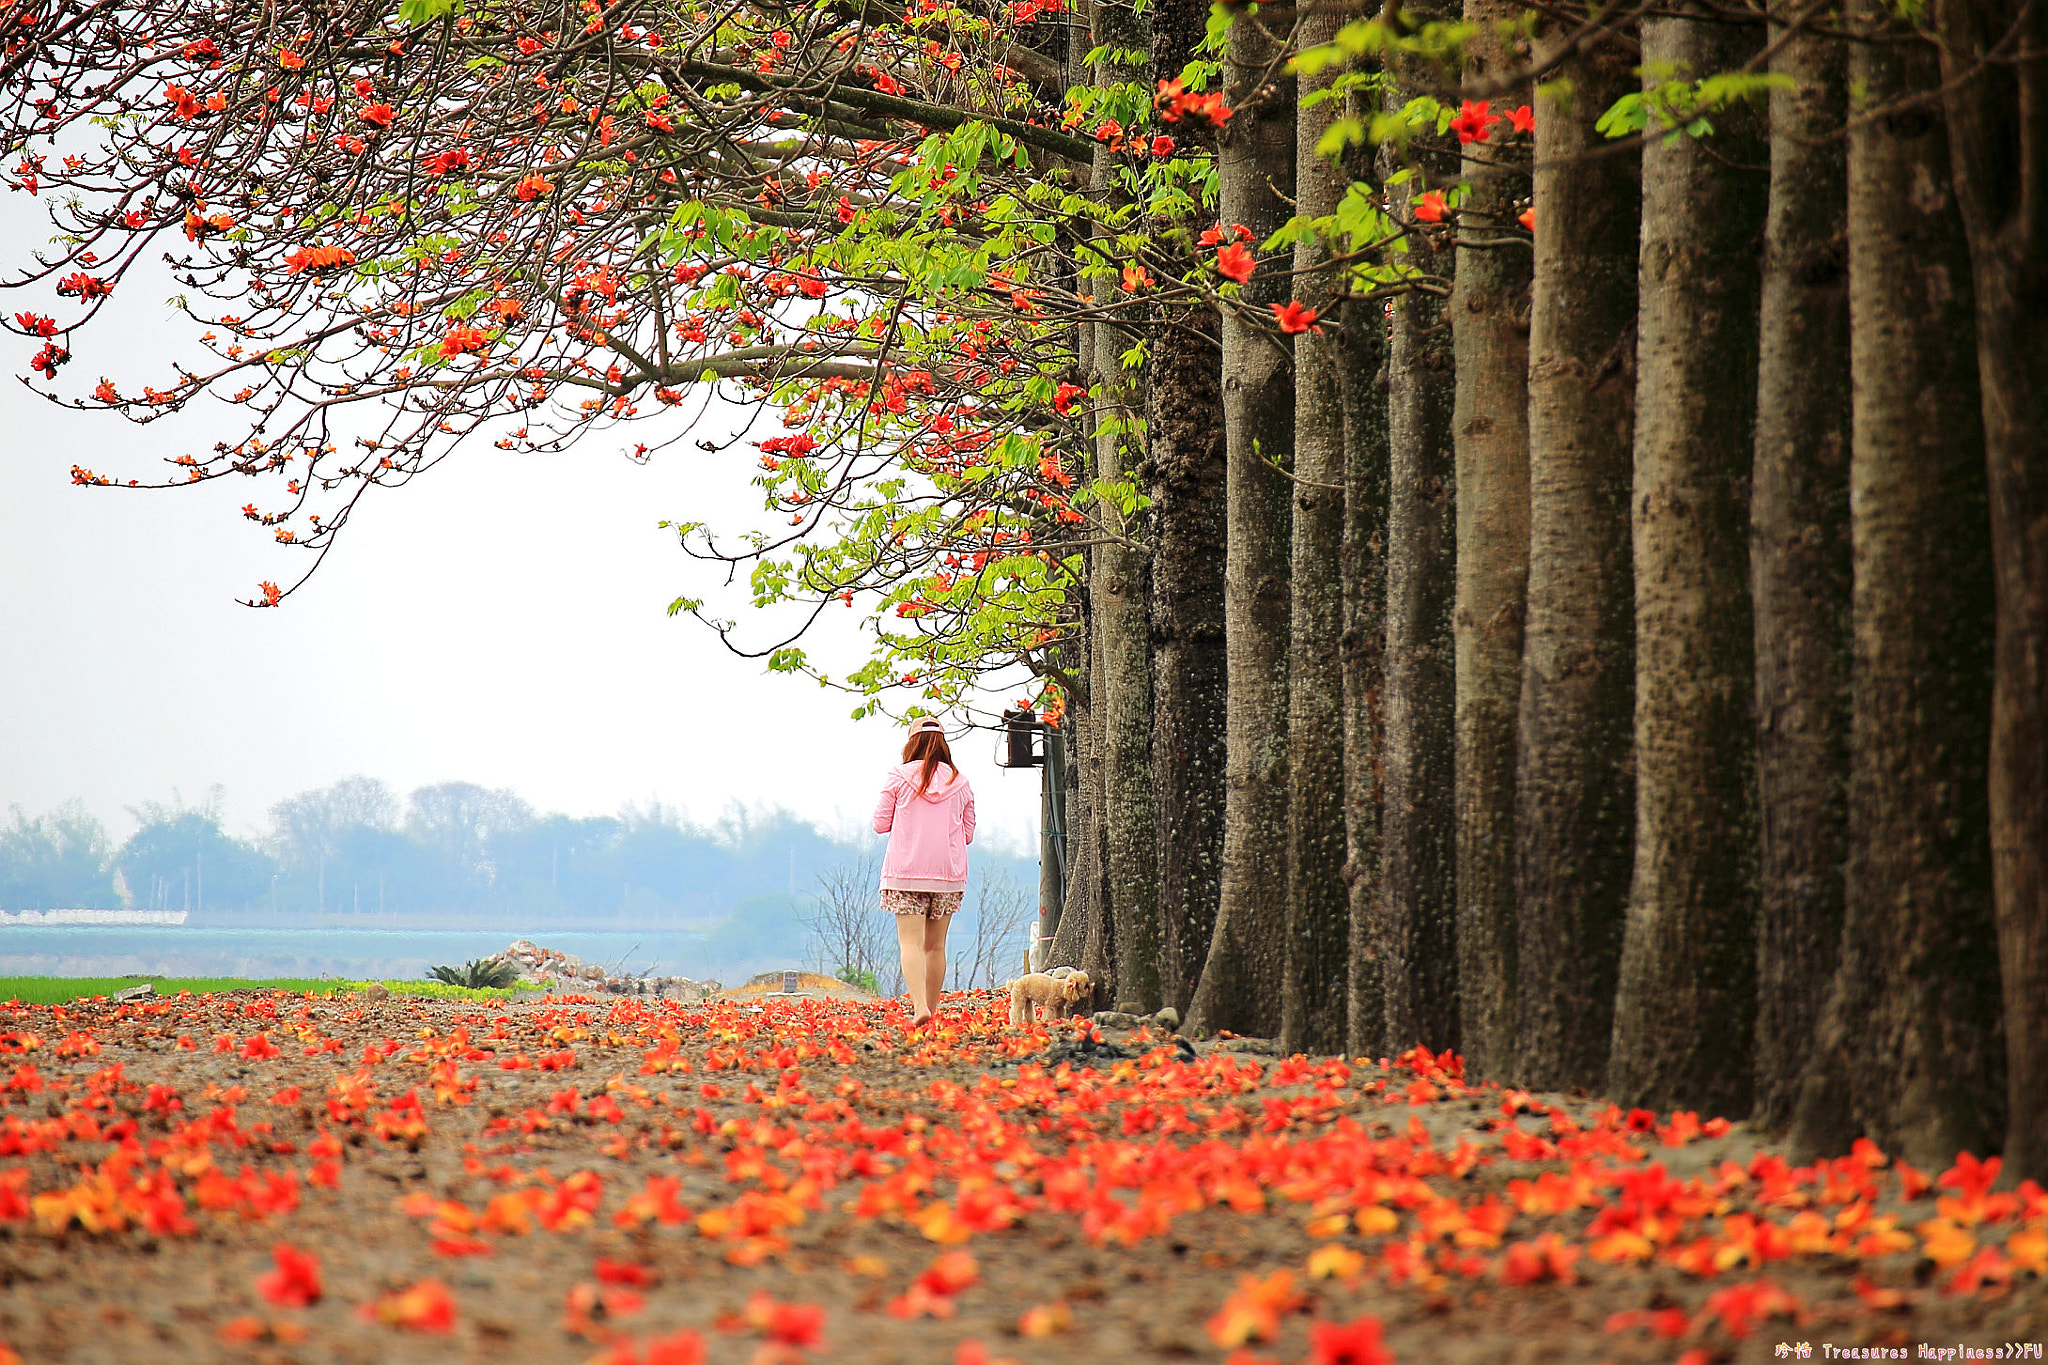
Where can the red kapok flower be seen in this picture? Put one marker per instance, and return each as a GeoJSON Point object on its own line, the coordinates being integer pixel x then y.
{"type": "Point", "coordinates": [296, 1281]}
{"type": "Point", "coordinates": [533, 186]}
{"type": "Point", "coordinates": [1356, 1344]}
{"type": "Point", "coordinates": [1063, 397]}
{"type": "Point", "coordinates": [426, 1307]}
{"type": "Point", "coordinates": [1474, 123]}
{"type": "Point", "coordinates": [1430, 207]}
{"type": "Point", "coordinates": [1236, 263]}
{"type": "Point", "coordinates": [318, 258]}
{"type": "Point", "coordinates": [377, 115]}
{"type": "Point", "coordinates": [1162, 146]}
{"type": "Point", "coordinates": [1522, 120]}
{"type": "Point", "coordinates": [1294, 318]}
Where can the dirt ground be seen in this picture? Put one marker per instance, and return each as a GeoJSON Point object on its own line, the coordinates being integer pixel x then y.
{"type": "Point", "coordinates": [632, 1181]}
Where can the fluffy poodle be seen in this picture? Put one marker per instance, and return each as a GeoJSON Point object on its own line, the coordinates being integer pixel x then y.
{"type": "Point", "coordinates": [1032, 993]}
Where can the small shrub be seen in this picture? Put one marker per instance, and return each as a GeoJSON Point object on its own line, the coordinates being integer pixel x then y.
{"type": "Point", "coordinates": [859, 976]}
{"type": "Point", "coordinates": [491, 973]}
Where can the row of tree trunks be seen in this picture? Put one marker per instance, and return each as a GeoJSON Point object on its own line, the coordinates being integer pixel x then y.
{"type": "Point", "coordinates": [1574, 776]}
{"type": "Point", "coordinates": [1685, 1006]}
{"type": "Point", "coordinates": [1799, 566]}
{"type": "Point", "coordinates": [1910, 1051]}
{"type": "Point", "coordinates": [1186, 479]}
{"type": "Point", "coordinates": [1243, 980]}
{"type": "Point", "coordinates": [1489, 314]}
{"type": "Point", "coordinates": [1999, 146]}
{"type": "Point", "coordinates": [1314, 1011]}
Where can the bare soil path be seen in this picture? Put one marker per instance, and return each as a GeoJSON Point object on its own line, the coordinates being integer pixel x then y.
{"type": "Point", "coordinates": [636, 1181]}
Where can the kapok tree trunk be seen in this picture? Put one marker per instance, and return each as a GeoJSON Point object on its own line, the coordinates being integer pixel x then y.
{"type": "Point", "coordinates": [1418, 841]}
{"type": "Point", "coordinates": [1084, 938]}
{"type": "Point", "coordinates": [1241, 983]}
{"type": "Point", "coordinates": [1185, 463]}
{"type": "Point", "coordinates": [1912, 1037]}
{"type": "Point", "coordinates": [1685, 1010]}
{"type": "Point", "coordinates": [1360, 359]}
{"type": "Point", "coordinates": [1098, 947]}
{"type": "Point", "coordinates": [1574, 774]}
{"type": "Point", "coordinates": [1998, 140]}
{"type": "Point", "coordinates": [1313, 1005]}
{"type": "Point", "coordinates": [1489, 314]}
{"type": "Point", "coordinates": [1799, 567]}
{"type": "Point", "coordinates": [1122, 568]}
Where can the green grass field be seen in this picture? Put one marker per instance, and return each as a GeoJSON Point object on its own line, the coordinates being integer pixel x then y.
{"type": "Point", "coordinates": [60, 990]}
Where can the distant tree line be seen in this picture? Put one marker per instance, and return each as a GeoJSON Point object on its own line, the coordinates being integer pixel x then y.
{"type": "Point", "coordinates": [357, 849]}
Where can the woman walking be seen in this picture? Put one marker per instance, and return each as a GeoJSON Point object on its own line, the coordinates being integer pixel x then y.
{"type": "Point", "coordinates": [927, 810]}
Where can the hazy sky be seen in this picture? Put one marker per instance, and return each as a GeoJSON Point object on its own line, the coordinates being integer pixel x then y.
{"type": "Point", "coordinates": [501, 620]}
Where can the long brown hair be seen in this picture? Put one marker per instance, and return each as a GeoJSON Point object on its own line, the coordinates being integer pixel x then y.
{"type": "Point", "coordinates": [930, 748]}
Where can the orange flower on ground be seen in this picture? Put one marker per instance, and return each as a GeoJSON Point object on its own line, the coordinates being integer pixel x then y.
{"type": "Point", "coordinates": [425, 1307]}
{"type": "Point", "coordinates": [296, 1281]}
{"type": "Point", "coordinates": [1045, 1320]}
{"type": "Point", "coordinates": [1356, 1344]}
{"type": "Point", "coordinates": [1253, 1310]}
{"type": "Point", "coordinates": [968, 1352]}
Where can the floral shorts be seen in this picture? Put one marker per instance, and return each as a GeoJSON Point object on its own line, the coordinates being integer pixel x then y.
{"type": "Point", "coordinates": [929, 904]}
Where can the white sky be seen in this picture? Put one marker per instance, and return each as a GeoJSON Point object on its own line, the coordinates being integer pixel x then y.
{"type": "Point", "coordinates": [501, 620]}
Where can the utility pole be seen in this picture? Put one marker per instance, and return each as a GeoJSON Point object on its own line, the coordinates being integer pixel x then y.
{"type": "Point", "coordinates": [1049, 756]}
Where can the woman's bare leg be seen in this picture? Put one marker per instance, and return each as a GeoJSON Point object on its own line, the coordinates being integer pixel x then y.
{"type": "Point", "coordinates": [910, 941]}
{"type": "Point", "coordinates": [935, 958]}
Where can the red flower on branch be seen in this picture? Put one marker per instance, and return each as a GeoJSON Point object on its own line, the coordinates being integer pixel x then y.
{"type": "Point", "coordinates": [1522, 120]}
{"type": "Point", "coordinates": [1236, 262]}
{"type": "Point", "coordinates": [1294, 318]}
{"type": "Point", "coordinates": [377, 115]}
{"type": "Point", "coordinates": [1474, 123]}
{"type": "Point", "coordinates": [83, 286]}
{"type": "Point", "coordinates": [318, 258]}
{"type": "Point", "coordinates": [1430, 207]}
{"type": "Point", "coordinates": [462, 339]}
{"type": "Point", "coordinates": [533, 186]}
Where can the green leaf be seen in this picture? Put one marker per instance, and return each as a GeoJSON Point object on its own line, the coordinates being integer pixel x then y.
{"type": "Point", "coordinates": [1344, 133]}
{"type": "Point", "coordinates": [418, 13]}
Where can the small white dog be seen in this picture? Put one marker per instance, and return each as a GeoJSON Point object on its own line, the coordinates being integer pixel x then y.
{"type": "Point", "coordinates": [1034, 992]}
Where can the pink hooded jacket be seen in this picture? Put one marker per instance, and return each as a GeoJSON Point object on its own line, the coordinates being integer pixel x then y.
{"type": "Point", "coordinates": [929, 834]}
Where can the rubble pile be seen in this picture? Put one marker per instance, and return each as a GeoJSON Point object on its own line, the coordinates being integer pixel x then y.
{"type": "Point", "coordinates": [547, 968]}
